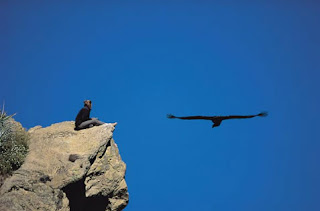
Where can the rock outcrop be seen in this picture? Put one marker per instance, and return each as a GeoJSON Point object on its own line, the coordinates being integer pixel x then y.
{"type": "Point", "coordinates": [68, 170]}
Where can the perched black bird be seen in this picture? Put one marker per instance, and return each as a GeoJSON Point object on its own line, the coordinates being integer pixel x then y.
{"type": "Point", "coordinates": [217, 119]}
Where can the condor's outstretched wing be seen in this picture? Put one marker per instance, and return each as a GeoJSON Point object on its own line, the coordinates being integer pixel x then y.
{"type": "Point", "coordinates": [262, 114]}
{"type": "Point", "coordinates": [170, 116]}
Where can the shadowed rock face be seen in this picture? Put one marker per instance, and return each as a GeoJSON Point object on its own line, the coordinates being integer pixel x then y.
{"type": "Point", "coordinates": [68, 170]}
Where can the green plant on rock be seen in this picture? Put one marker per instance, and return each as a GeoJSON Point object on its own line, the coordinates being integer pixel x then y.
{"type": "Point", "coordinates": [4, 129]}
{"type": "Point", "coordinates": [13, 144]}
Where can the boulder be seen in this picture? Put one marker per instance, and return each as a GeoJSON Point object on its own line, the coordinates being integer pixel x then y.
{"type": "Point", "coordinates": [68, 170]}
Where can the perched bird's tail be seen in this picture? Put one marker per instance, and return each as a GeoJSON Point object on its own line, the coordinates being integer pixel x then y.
{"type": "Point", "coordinates": [170, 116]}
{"type": "Point", "coordinates": [263, 114]}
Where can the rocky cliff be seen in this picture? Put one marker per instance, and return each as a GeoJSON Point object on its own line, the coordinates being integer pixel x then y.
{"type": "Point", "coordinates": [68, 170]}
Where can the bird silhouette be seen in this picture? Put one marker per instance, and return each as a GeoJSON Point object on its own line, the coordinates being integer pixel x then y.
{"type": "Point", "coordinates": [217, 119]}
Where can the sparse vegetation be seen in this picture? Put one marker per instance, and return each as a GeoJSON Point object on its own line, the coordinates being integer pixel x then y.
{"type": "Point", "coordinates": [13, 144]}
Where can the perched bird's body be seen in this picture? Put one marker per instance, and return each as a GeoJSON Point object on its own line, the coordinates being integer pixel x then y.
{"type": "Point", "coordinates": [217, 119]}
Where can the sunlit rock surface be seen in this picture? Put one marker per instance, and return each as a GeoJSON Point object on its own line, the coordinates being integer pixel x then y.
{"type": "Point", "coordinates": [68, 170]}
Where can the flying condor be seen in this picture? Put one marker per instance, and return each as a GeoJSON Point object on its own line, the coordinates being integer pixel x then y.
{"type": "Point", "coordinates": [217, 119]}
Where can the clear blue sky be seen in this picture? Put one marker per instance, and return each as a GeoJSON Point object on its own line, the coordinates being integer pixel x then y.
{"type": "Point", "coordinates": [138, 61]}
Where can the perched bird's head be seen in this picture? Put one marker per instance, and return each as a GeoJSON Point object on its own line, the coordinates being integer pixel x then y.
{"type": "Point", "coordinates": [88, 103]}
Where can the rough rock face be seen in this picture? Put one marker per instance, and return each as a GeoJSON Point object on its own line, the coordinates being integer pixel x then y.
{"type": "Point", "coordinates": [68, 170]}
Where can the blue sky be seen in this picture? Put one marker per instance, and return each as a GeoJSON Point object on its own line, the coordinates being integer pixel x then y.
{"type": "Point", "coordinates": [138, 61]}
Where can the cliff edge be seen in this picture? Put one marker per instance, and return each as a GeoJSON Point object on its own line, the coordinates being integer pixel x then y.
{"type": "Point", "coordinates": [68, 170]}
